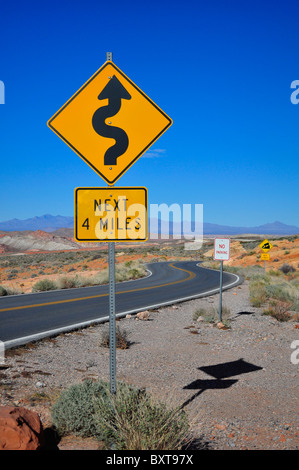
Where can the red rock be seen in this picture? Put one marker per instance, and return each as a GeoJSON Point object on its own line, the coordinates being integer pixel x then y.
{"type": "Point", "coordinates": [143, 315]}
{"type": "Point", "coordinates": [220, 427]}
{"type": "Point", "coordinates": [20, 429]}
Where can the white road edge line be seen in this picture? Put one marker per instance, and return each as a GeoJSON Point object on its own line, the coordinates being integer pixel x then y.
{"type": "Point", "coordinates": [50, 333]}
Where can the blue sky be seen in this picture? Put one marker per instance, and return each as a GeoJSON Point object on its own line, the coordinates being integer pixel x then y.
{"type": "Point", "coordinates": [221, 70]}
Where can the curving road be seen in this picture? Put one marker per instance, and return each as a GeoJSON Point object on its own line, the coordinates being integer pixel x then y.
{"type": "Point", "coordinates": [25, 318]}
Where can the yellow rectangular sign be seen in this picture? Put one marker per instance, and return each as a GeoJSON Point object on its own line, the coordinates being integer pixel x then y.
{"type": "Point", "coordinates": [111, 214]}
{"type": "Point", "coordinates": [265, 257]}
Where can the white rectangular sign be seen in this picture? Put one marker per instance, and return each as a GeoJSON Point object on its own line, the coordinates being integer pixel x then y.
{"type": "Point", "coordinates": [222, 249]}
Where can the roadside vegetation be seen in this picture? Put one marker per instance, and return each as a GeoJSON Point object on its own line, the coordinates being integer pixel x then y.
{"type": "Point", "coordinates": [211, 315]}
{"type": "Point", "coordinates": [62, 270]}
{"type": "Point", "coordinates": [276, 291]}
{"type": "Point", "coordinates": [123, 272]}
{"type": "Point", "coordinates": [127, 420]}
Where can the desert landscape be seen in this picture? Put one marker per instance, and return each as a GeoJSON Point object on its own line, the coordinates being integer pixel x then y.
{"type": "Point", "coordinates": [31, 256]}
{"type": "Point", "coordinates": [260, 322]}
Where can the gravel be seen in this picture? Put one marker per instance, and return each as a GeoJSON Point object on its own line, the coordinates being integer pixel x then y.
{"type": "Point", "coordinates": [249, 401]}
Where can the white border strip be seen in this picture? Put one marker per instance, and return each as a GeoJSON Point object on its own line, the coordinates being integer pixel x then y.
{"type": "Point", "coordinates": [50, 333]}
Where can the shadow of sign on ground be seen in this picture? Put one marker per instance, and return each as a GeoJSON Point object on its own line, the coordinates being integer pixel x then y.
{"type": "Point", "coordinates": [219, 372]}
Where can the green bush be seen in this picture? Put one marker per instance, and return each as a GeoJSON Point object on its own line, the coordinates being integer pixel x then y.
{"type": "Point", "coordinates": [74, 411]}
{"type": "Point", "coordinates": [44, 285]}
{"type": "Point", "coordinates": [121, 338]}
{"type": "Point", "coordinates": [211, 314]}
{"type": "Point", "coordinates": [128, 420]}
{"type": "Point", "coordinates": [268, 287]}
{"type": "Point", "coordinates": [287, 268]}
{"type": "Point", "coordinates": [66, 282]}
{"type": "Point", "coordinates": [133, 421]}
{"type": "Point", "coordinates": [257, 293]}
{"type": "Point", "coordinates": [3, 291]}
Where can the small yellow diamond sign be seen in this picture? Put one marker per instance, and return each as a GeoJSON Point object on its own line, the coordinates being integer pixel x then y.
{"type": "Point", "coordinates": [266, 246]}
{"type": "Point", "coordinates": [111, 214]}
{"type": "Point", "coordinates": [109, 122]}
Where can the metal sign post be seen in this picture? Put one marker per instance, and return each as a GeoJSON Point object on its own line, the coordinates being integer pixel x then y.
{"type": "Point", "coordinates": [222, 253]}
{"type": "Point", "coordinates": [112, 330]}
{"type": "Point", "coordinates": [220, 292]}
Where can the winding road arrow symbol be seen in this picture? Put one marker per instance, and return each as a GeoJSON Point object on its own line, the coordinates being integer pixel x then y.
{"type": "Point", "coordinates": [114, 91]}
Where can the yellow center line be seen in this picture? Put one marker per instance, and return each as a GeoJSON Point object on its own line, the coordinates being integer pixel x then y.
{"type": "Point", "coordinates": [191, 276]}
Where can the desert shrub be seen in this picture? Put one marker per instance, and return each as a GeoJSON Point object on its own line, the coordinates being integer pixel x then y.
{"type": "Point", "coordinates": [279, 310]}
{"type": "Point", "coordinates": [279, 291]}
{"type": "Point", "coordinates": [121, 338]}
{"type": "Point", "coordinates": [133, 273]}
{"type": "Point", "coordinates": [9, 291]}
{"type": "Point", "coordinates": [128, 420]}
{"type": "Point", "coordinates": [133, 421]}
{"type": "Point", "coordinates": [257, 289]}
{"type": "Point", "coordinates": [123, 272]}
{"type": "Point", "coordinates": [266, 288]}
{"type": "Point", "coordinates": [246, 272]}
{"type": "Point", "coordinates": [44, 285]}
{"type": "Point", "coordinates": [276, 273]}
{"type": "Point", "coordinates": [101, 278]}
{"type": "Point", "coordinates": [96, 256]}
{"type": "Point", "coordinates": [11, 276]}
{"type": "Point", "coordinates": [287, 268]}
{"type": "Point", "coordinates": [286, 292]}
{"type": "Point", "coordinates": [74, 411]}
{"type": "Point", "coordinates": [3, 291]}
{"type": "Point", "coordinates": [211, 314]}
{"type": "Point", "coordinates": [66, 282]}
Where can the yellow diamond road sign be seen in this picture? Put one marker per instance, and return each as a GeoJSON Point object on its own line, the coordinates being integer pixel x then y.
{"type": "Point", "coordinates": [109, 122]}
{"type": "Point", "coordinates": [111, 214]}
{"type": "Point", "coordinates": [265, 246]}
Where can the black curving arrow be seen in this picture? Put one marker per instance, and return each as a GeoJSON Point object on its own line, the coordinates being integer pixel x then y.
{"type": "Point", "coordinates": [114, 91]}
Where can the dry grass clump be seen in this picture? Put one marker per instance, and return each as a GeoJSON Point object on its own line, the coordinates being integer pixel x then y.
{"type": "Point", "coordinates": [279, 310]}
{"type": "Point", "coordinates": [126, 420]}
{"type": "Point", "coordinates": [279, 293]}
{"type": "Point", "coordinates": [123, 272]}
{"type": "Point", "coordinates": [211, 315]}
{"type": "Point", "coordinates": [44, 285]}
{"type": "Point", "coordinates": [121, 338]}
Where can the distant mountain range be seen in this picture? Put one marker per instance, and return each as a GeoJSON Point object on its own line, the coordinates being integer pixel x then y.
{"type": "Point", "coordinates": [50, 223]}
{"type": "Point", "coordinates": [47, 223]}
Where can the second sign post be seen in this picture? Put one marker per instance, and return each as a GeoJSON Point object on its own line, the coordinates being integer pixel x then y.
{"type": "Point", "coordinates": [222, 253]}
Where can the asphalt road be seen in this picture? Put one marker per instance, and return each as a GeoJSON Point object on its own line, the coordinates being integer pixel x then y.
{"type": "Point", "coordinates": [29, 317]}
